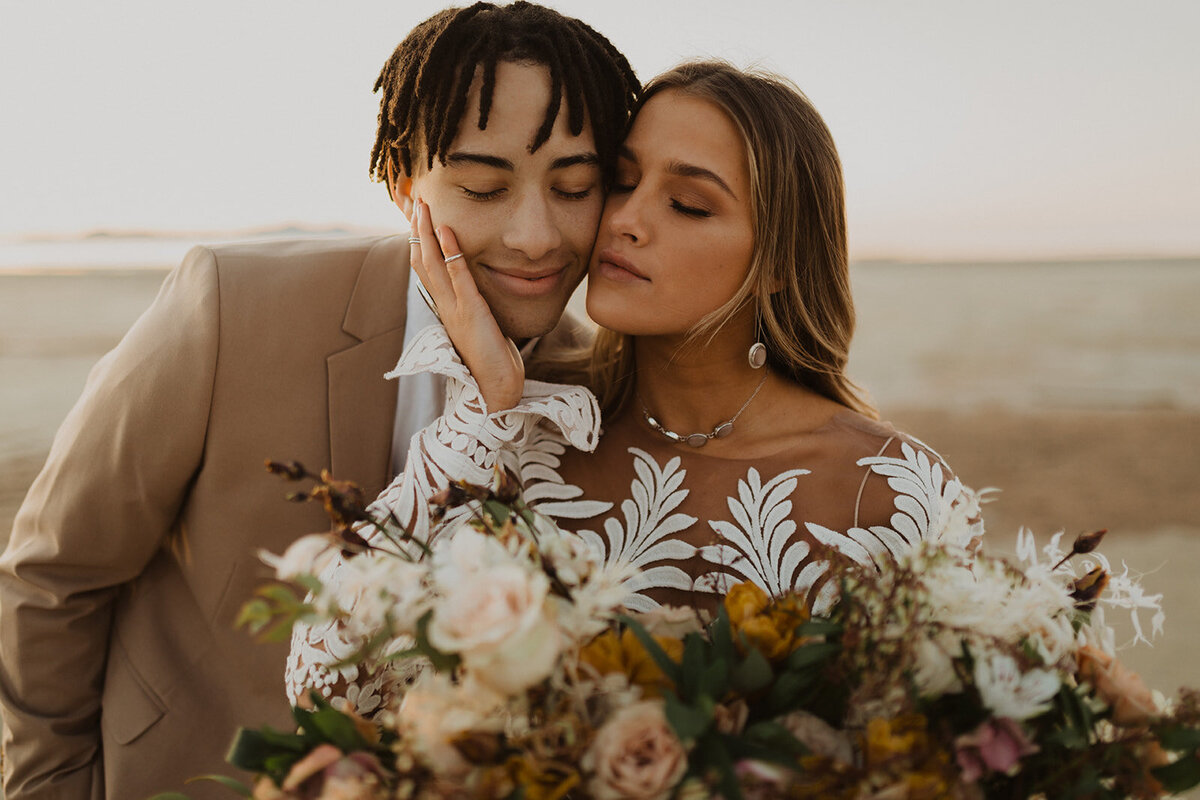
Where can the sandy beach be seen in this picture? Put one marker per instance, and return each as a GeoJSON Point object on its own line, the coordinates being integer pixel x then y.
{"type": "Point", "coordinates": [1072, 387]}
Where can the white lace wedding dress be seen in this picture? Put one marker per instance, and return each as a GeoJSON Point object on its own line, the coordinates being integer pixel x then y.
{"type": "Point", "coordinates": [694, 524]}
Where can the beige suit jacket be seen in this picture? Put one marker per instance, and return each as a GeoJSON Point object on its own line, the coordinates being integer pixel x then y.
{"type": "Point", "coordinates": [120, 671]}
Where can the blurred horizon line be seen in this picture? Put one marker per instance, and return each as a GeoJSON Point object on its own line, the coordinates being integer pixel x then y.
{"type": "Point", "coordinates": [149, 248]}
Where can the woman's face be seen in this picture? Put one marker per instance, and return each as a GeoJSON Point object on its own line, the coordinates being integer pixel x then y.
{"type": "Point", "coordinates": [677, 233]}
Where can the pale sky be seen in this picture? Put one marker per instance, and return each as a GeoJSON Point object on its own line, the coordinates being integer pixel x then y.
{"type": "Point", "coordinates": [1011, 129]}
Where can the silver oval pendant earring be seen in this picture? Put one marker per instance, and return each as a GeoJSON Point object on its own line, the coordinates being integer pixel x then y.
{"type": "Point", "coordinates": [757, 355]}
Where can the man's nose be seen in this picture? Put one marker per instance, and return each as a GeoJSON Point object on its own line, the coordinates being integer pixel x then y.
{"type": "Point", "coordinates": [532, 229]}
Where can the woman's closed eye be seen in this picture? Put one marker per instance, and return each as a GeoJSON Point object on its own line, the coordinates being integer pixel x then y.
{"type": "Point", "coordinates": [691, 211]}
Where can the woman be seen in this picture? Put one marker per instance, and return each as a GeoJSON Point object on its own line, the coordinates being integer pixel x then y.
{"type": "Point", "coordinates": [734, 446]}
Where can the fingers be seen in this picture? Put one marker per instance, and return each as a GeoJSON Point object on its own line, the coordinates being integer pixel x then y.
{"type": "Point", "coordinates": [426, 258]}
{"type": "Point", "coordinates": [460, 277]}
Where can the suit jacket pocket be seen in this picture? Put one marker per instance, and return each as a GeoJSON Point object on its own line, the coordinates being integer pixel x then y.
{"type": "Point", "coordinates": [128, 706]}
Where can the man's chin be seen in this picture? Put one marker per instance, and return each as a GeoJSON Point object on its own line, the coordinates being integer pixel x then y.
{"type": "Point", "coordinates": [523, 328]}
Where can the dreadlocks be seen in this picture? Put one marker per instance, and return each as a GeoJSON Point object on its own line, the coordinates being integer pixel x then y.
{"type": "Point", "coordinates": [425, 82]}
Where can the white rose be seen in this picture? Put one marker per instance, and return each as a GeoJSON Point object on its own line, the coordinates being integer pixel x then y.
{"type": "Point", "coordinates": [308, 555]}
{"type": "Point", "coordinates": [501, 623]}
{"type": "Point", "coordinates": [435, 711]}
{"type": "Point", "coordinates": [635, 755]}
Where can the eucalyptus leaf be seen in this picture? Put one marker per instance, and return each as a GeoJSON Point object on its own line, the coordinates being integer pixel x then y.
{"type": "Point", "coordinates": [811, 654]}
{"type": "Point", "coordinates": [688, 722]}
{"type": "Point", "coordinates": [1179, 776]}
{"type": "Point", "coordinates": [664, 662]}
{"type": "Point", "coordinates": [752, 674]}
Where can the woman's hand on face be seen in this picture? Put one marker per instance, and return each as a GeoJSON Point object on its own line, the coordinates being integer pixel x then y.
{"type": "Point", "coordinates": [492, 357]}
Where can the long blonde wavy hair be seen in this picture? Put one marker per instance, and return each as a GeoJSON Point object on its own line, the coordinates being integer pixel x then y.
{"type": "Point", "coordinates": [799, 276]}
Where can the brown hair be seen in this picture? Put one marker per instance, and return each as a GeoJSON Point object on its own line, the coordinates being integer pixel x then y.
{"type": "Point", "coordinates": [799, 277]}
{"type": "Point", "coordinates": [425, 83]}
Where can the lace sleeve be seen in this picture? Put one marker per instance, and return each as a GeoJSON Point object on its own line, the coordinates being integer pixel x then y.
{"type": "Point", "coordinates": [464, 443]}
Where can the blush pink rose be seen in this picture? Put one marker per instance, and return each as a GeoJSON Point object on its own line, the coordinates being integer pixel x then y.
{"type": "Point", "coordinates": [635, 755]}
{"type": "Point", "coordinates": [995, 746]}
{"type": "Point", "coordinates": [1120, 687]}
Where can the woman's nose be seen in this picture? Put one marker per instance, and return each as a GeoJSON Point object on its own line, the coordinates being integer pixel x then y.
{"type": "Point", "coordinates": [624, 215]}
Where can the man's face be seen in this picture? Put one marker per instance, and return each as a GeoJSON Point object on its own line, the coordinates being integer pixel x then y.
{"type": "Point", "coordinates": [525, 221]}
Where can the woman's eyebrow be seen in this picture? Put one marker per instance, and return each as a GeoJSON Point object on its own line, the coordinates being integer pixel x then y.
{"type": "Point", "coordinates": [683, 170]}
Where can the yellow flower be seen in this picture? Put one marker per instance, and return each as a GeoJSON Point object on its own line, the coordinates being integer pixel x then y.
{"type": "Point", "coordinates": [767, 625]}
{"type": "Point", "coordinates": [624, 654]}
{"type": "Point", "coordinates": [744, 601]}
{"type": "Point", "coordinates": [536, 780]}
{"type": "Point", "coordinates": [900, 737]}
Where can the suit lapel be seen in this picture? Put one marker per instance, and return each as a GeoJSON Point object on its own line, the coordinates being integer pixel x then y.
{"type": "Point", "coordinates": [362, 404]}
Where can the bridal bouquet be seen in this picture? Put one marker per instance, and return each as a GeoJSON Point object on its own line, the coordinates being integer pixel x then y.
{"type": "Point", "coordinates": [951, 674]}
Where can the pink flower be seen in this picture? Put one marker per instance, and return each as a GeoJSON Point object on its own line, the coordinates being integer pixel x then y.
{"type": "Point", "coordinates": [635, 755]}
{"type": "Point", "coordinates": [995, 746]}
{"type": "Point", "coordinates": [329, 774]}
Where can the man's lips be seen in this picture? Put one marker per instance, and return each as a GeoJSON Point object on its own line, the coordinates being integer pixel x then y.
{"type": "Point", "coordinates": [612, 264]}
{"type": "Point", "coordinates": [526, 283]}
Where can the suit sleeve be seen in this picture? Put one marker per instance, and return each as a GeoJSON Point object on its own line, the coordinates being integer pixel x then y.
{"type": "Point", "coordinates": [116, 477]}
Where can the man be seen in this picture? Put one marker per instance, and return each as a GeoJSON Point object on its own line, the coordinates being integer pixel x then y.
{"type": "Point", "coordinates": [120, 672]}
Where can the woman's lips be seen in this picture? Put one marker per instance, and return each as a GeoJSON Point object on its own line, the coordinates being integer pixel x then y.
{"type": "Point", "coordinates": [614, 266]}
{"type": "Point", "coordinates": [524, 284]}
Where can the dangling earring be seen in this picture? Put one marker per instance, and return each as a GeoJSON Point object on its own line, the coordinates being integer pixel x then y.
{"type": "Point", "coordinates": [757, 356]}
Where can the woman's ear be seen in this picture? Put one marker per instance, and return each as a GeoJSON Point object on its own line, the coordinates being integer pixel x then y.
{"type": "Point", "coordinates": [400, 189]}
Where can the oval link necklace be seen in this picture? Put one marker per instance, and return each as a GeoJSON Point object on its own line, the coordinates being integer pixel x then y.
{"type": "Point", "coordinates": [701, 439]}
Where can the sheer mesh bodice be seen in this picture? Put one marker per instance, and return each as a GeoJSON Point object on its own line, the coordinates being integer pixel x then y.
{"type": "Point", "coordinates": [695, 524]}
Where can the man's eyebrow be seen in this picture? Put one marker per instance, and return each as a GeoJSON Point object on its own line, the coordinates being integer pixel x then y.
{"type": "Point", "coordinates": [462, 159]}
{"type": "Point", "coordinates": [590, 159]}
{"type": "Point", "coordinates": [683, 170]}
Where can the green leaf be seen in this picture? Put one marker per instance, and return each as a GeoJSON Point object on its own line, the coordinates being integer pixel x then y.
{"type": "Point", "coordinates": [721, 635]}
{"type": "Point", "coordinates": [811, 654]}
{"type": "Point", "coordinates": [693, 665]}
{"type": "Point", "coordinates": [752, 674]}
{"type": "Point", "coordinates": [714, 680]}
{"type": "Point", "coordinates": [664, 662]}
{"type": "Point", "coordinates": [688, 722]}
{"type": "Point", "coordinates": [281, 631]}
{"type": "Point", "coordinates": [255, 614]}
{"type": "Point", "coordinates": [1180, 775]}
{"type": "Point", "coordinates": [818, 627]}
{"type": "Point", "coordinates": [336, 728]}
{"type": "Point", "coordinates": [497, 511]}
{"type": "Point", "coordinates": [442, 662]}
{"type": "Point", "coordinates": [787, 691]}
{"type": "Point", "coordinates": [311, 583]}
{"type": "Point", "coordinates": [716, 758]}
{"type": "Point", "coordinates": [280, 593]}
{"type": "Point", "coordinates": [1179, 738]}
{"type": "Point", "coordinates": [776, 738]}
{"type": "Point", "coordinates": [226, 781]}
{"type": "Point", "coordinates": [251, 748]}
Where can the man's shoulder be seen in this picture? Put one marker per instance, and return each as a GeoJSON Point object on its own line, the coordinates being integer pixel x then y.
{"type": "Point", "coordinates": [299, 254]}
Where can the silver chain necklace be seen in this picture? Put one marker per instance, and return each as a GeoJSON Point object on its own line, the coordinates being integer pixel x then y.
{"type": "Point", "coordinates": [701, 439]}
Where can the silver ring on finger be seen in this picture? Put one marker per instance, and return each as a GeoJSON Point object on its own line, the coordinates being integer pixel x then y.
{"type": "Point", "coordinates": [454, 257]}
{"type": "Point", "coordinates": [414, 240]}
